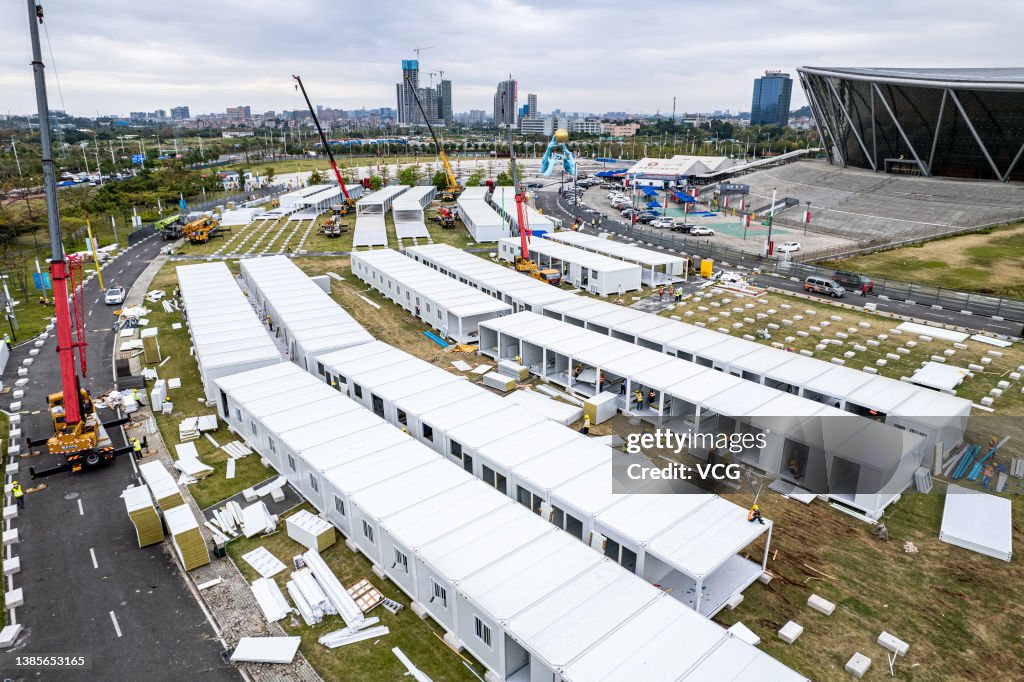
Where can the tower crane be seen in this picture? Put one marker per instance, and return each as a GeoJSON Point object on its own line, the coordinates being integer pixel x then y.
{"type": "Point", "coordinates": [79, 438]}
{"type": "Point", "coordinates": [453, 188]}
{"type": "Point", "coordinates": [348, 202]}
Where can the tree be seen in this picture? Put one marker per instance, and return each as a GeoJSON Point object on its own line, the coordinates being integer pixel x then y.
{"type": "Point", "coordinates": [475, 179]}
{"type": "Point", "coordinates": [408, 175]}
{"type": "Point", "coordinates": [376, 182]}
{"type": "Point", "coordinates": [440, 180]}
{"type": "Point", "coordinates": [316, 177]}
{"type": "Point", "coordinates": [270, 175]}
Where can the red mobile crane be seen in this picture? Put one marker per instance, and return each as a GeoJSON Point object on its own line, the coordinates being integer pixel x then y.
{"type": "Point", "coordinates": [524, 262]}
{"type": "Point", "coordinates": [79, 436]}
{"type": "Point", "coordinates": [348, 203]}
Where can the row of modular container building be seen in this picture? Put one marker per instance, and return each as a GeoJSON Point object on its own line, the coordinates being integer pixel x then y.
{"type": "Point", "coordinates": [304, 317]}
{"type": "Point", "coordinates": [690, 542]}
{"type": "Point", "coordinates": [371, 228]}
{"type": "Point", "coordinates": [407, 211]}
{"type": "Point", "coordinates": [315, 197]}
{"type": "Point", "coordinates": [940, 418]}
{"type": "Point", "coordinates": [451, 308]}
{"type": "Point", "coordinates": [503, 199]}
{"type": "Point", "coordinates": [585, 270]}
{"type": "Point", "coordinates": [527, 600]}
{"type": "Point", "coordinates": [483, 223]}
{"type": "Point", "coordinates": [656, 268]}
{"type": "Point", "coordinates": [227, 335]}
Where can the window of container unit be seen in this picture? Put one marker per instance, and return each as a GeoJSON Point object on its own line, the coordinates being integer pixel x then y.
{"type": "Point", "coordinates": [456, 449]}
{"type": "Point", "coordinates": [573, 526]}
{"type": "Point", "coordinates": [378, 405]}
{"type": "Point", "coordinates": [408, 296]}
{"type": "Point", "coordinates": [238, 414]}
{"type": "Point", "coordinates": [438, 594]}
{"type": "Point", "coordinates": [271, 444]}
{"type": "Point", "coordinates": [427, 306]}
{"type": "Point", "coordinates": [428, 433]}
{"type": "Point", "coordinates": [255, 431]}
{"type": "Point", "coordinates": [339, 505]}
{"type": "Point", "coordinates": [402, 418]}
{"type": "Point", "coordinates": [357, 390]}
{"type": "Point", "coordinates": [401, 561]}
{"type": "Point", "coordinates": [320, 368]}
{"type": "Point", "coordinates": [483, 632]}
{"type": "Point", "coordinates": [291, 462]}
{"type": "Point", "coordinates": [313, 482]}
{"type": "Point", "coordinates": [368, 531]}
{"type": "Point", "coordinates": [342, 379]}
{"type": "Point", "coordinates": [224, 403]}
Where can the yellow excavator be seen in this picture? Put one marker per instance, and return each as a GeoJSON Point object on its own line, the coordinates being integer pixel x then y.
{"type": "Point", "coordinates": [452, 191]}
{"type": "Point", "coordinates": [550, 275]}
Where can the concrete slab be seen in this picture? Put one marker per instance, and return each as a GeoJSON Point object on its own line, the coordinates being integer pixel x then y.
{"type": "Point", "coordinates": [858, 665]}
{"type": "Point", "coordinates": [893, 644]}
{"type": "Point", "coordinates": [821, 604]}
{"type": "Point", "coordinates": [789, 632]}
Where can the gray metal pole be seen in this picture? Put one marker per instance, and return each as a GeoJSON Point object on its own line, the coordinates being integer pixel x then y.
{"type": "Point", "coordinates": [49, 175]}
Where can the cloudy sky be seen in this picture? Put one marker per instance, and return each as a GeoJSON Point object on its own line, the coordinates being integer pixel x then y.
{"type": "Point", "coordinates": [113, 56]}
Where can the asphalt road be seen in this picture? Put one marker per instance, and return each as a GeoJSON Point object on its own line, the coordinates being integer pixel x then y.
{"type": "Point", "coordinates": [88, 588]}
{"type": "Point", "coordinates": [548, 201]}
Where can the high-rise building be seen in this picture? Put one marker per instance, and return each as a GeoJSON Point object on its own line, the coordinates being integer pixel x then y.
{"type": "Point", "coordinates": [408, 112]}
{"type": "Point", "coordinates": [137, 115]}
{"type": "Point", "coordinates": [240, 113]}
{"type": "Point", "coordinates": [505, 100]}
{"type": "Point", "coordinates": [180, 113]}
{"type": "Point", "coordinates": [531, 106]}
{"type": "Point", "coordinates": [444, 101]}
{"type": "Point", "coordinates": [770, 105]}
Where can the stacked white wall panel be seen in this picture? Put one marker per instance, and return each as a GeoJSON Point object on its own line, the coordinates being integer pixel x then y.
{"type": "Point", "coordinates": [583, 269]}
{"type": "Point", "coordinates": [452, 308]}
{"type": "Point", "coordinates": [307, 320]}
{"type": "Point", "coordinates": [226, 332]}
{"type": "Point", "coordinates": [481, 220]}
{"type": "Point", "coordinates": [503, 199]}
{"type": "Point", "coordinates": [488, 570]}
{"type": "Point", "coordinates": [528, 457]}
{"type": "Point", "coordinates": [658, 268]}
{"type": "Point", "coordinates": [371, 229]}
{"type": "Point", "coordinates": [407, 210]}
{"type": "Point", "coordinates": [865, 464]}
{"type": "Point", "coordinates": [940, 418]}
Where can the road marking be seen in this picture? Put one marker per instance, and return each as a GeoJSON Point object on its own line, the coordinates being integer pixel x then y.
{"type": "Point", "coordinates": [81, 512]}
{"type": "Point", "coordinates": [96, 301]}
{"type": "Point", "coordinates": [117, 628]}
{"type": "Point", "coordinates": [120, 271]}
{"type": "Point", "coordinates": [92, 553]}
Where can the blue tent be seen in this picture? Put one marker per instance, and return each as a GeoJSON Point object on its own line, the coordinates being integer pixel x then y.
{"type": "Point", "coordinates": [653, 204]}
{"type": "Point", "coordinates": [610, 173]}
{"type": "Point", "coordinates": [649, 191]}
{"type": "Point", "coordinates": [685, 198]}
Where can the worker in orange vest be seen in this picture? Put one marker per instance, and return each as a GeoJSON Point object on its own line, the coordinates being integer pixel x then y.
{"type": "Point", "coordinates": [661, 292]}
{"type": "Point", "coordinates": [755, 515]}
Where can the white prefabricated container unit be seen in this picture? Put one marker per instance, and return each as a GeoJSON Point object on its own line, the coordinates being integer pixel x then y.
{"type": "Point", "coordinates": [407, 211]}
{"type": "Point", "coordinates": [583, 269]}
{"type": "Point", "coordinates": [658, 268]}
{"type": "Point", "coordinates": [215, 305]}
{"type": "Point", "coordinates": [938, 420]}
{"type": "Point", "coordinates": [456, 571]}
{"type": "Point", "coordinates": [318, 197]}
{"type": "Point", "coordinates": [452, 308]}
{"type": "Point", "coordinates": [503, 199]}
{"type": "Point", "coordinates": [371, 229]}
{"type": "Point", "coordinates": [481, 220]}
{"type": "Point", "coordinates": [308, 321]}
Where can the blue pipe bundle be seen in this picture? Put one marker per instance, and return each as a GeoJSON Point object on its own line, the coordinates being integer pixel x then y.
{"type": "Point", "coordinates": [965, 461]}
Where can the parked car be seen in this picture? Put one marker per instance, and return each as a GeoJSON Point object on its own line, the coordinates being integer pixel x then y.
{"type": "Point", "coordinates": [627, 212]}
{"type": "Point", "coordinates": [820, 285]}
{"type": "Point", "coordinates": [114, 296]}
{"type": "Point", "coordinates": [646, 216]}
{"type": "Point", "coordinates": [533, 185]}
{"type": "Point", "coordinates": [789, 247]}
{"type": "Point", "coordinates": [663, 222]}
{"type": "Point", "coordinates": [681, 227]}
{"type": "Point", "coordinates": [853, 281]}
{"type": "Point", "coordinates": [701, 231]}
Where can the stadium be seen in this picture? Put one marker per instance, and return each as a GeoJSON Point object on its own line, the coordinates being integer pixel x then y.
{"type": "Point", "coordinates": [963, 123]}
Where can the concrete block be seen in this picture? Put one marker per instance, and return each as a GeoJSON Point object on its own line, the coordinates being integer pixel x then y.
{"type": "Point", "coordinates": [925, 338]}
{"type": "Point", "coordinates": [1014, 376]}
{"type": "Point", "coordinates": [14, 449]}
{"type": "Point", "coordinates": [10, 537]}
{"type": "Point", "coordinates": [859, 348]}
{"type": "Point", "coordinates": [864, 325]}
{"type": "Point", "coordinates": [975, 368]}
{"type": "Point", "coordinates": [351, 545]}
{"type": "Point", "coordinates": [938, 358]}
{"type": "Point", "coordinates": [837, 361]}
{"type": "Point", "coordinates": [842, 335]}
{"type": "Point", "coordinates": [807, 353]}
{"type": "Point", "coordinates": [38, 343]}
{"type": "Point", "coordinates": [949, 352]}
{"type": "Point", "coordinates": [18, 383]}
{"type": "Point", "coordinates": [702, 308]}
{"type": "Point", "coordinates": [379, 572]}
{"type": "Point", "coordinates": [872, 343]}
{"type": "Point", "coordinates": [33, 352]}
{"type": "Point", "coordinates": [835, 318]}
{"type": "Point", "coordinates": [277, 495]}
{"type": "Point", "coordinates": [712, 319]}
{"type": "Point", "coordinates": [738, 310]}
{"type": "Point", "coordinates": [419, 610]}
{"type": "Point", "coordinates": [723, 330]}
{"type": "Point", "coordinates": [10, 512]}
{"type": "Point", "coordinates": [18, 394]}
{"type": "Point", "coordinates": [249, 495]}
{"type": "Point", "coordinates": [798, 318]}
{"type": "Point", "coordinates": [851, 330]}
{"type": "Point", "coordinates": [894, 332]}
{"type": "Point", "coordinates": [986, 361]}
{"type": "Point", "coordinates": [748, 337]}
{"type": "Point", "coordinates": [771, 311]}
{"type": "Point", "coordinates": [772, 325]}
{"type": "Point", "coordinates": [995, 392]}
{"type": "Point", "coordinates": [821, 604]}
{"type": "Point", "coordinates": [789, 632]}
{"type": "Point", "coordinates": [765, 578]}
{"type": "Point", "coordinates": [716, 304]}
{"type": "Point", "coordinates": [699, 324]}
{"type": "Point", "coordinates": [789, 339]}
{"type": "Point", "coordinates": [881, 362]}
{"type": "Point", "coordinates": [892, 356]}
{"type": "Point", "coordinates": [453, 641]}
{"type": "Point", "coordinates": [814, 328]}
{"type": "Point", "coordinates": [960, 346]}
{"type": "Point", "coordinates": [14, 598]}
{"type": "Point", "coordinates": [761, 316]}
{"type": "Point", "coordinates": [821, 346]}
{"type": "Point", "coordinates": [825, 323]}
{"type": "Point", "coordinates": [688, 313]}
{"type": "Point", "coordinates": [858, 665]}
{"type": "Point", "coordinates": [1003, 385]}
{"type": "Point", "coordinates": [12, 565]}
{"type": "Point", "coordinates": [893, 644]}
{"type": "Point", "coordinates": [8, 635]}
{"type": "Point", "coordinates": [785, 321]}
{"type": "Point", "coordinates": [810, 311]}
{"type": "Point", "coordinates": [785, 306]}
{"type": "Point", "coordinates": [802, 334]}
{"type": "Point", "coordinates": [11, 469]}
{"type": "Point", "coordinates": [986, 401]}
{"type": "Point", "coordinates": [734, 601]}
{"type": "Point", "coordinates": [882, 337]}
{"type": "Point", "coordinates": [748, 320]}
{"type": "Point", "coordinates": [23, 371]}
{"type": "Point", "coordinates": [737, 325]}
{"type": "Point", "coordinates": [995, 353]}
{"type": "Point", "coordinates": [725, 313]}
{"type": "Point", "coordinates": [870, 370]}
{"type": "Point", "coordinates": [849, 354]}
{"type": "Point", "coordinates": [748, 306]}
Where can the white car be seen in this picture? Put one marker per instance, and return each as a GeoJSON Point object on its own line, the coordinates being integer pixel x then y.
{"type": "Point", "coordinates": [114, 296]}
{"type": "Point", "coordinates": [789, 247]}
{"type": "Point", "coordinates": [663, 222]}
{"type": "Point", "coordinates": [699, 231]}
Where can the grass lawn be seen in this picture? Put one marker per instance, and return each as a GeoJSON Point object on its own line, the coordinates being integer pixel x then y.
{"type": "Point", "coordinates": [988, 262]}
{"type": "Point", "coordinates": [973, 388]}
{"type": "Point", "coordinates": [369, 660]}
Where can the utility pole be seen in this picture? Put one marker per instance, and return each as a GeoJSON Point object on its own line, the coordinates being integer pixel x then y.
{"type": "Point", "coordinates": [673, 111]}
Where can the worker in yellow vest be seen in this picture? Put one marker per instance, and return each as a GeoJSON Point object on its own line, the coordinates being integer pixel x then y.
{"type": "Point", "coordinates": [19, 494]}
{"type": "Point", "coordinates": [586, 425]}
{"type": "Point", "coordinates": [137, 448]}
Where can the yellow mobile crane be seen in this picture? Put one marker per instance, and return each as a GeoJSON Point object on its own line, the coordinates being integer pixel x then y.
{"type": "Point", "coordinates": [453, 189]}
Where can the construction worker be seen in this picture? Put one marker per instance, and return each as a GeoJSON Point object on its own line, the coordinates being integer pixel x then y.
{"type": "Point", "coordinates": [19, 494]}
{"type": "Point", "coordinates": [137, 448]}
{"type": "Point", "coordinates": [586, 425]}
{"type": "Point", "coordinates": [7, 340]}
{"type": "Point", "coordinates": [671, 291]}
{"type": "Point", "coordinates": [679, 295]}
{"type": "Point", "coordinates": [652, 397]}
{"type": "Point", "coordinates": [986, 475]}
{"type": "Point", "coordinates": [661, 292]}
{"type": "Point", "coordinates": [755, 515]}
{"type": "Point", "coordinates": [638, 396]}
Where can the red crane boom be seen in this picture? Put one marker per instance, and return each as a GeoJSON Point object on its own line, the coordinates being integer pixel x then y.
{"type": "Point", "coordinates": [524, 223]}
{"type": "Point", "coordinates": [323, 139]}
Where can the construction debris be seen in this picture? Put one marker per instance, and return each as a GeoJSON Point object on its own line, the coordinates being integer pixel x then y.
{"type": "Point", "coordinates": [192, 427]}
{"type": "Point", "coordinates": [365, 595]}
{"type": "Point", "coordinates": [236, 449]}
{"type": "Point", "coordinates": [336, 594]}
{"type": "Point", "coordinates": [277, 484]}
{"type": "Point", "coordinates": [417, 674]}
{"type": "Point", "coordinates": [265, 563]}
{"type": "Point", "coordinates": [257, 520]}
{"type": "Point", "coordinates": [346, 636]}
{"type": "Point", "coordinates": [188, 462]}
{"type": "Point", "coordinates": [310, 599]}
{"type": "Point", "coordinates": [272, 602]}
{"type": "Point", "coordinates": [909, 547]}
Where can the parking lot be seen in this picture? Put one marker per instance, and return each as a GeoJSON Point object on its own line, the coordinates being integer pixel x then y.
{"type": "Point", "coordinates": [729, 230]}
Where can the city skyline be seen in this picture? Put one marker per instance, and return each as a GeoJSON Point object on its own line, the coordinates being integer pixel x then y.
{"type": "Point", "coordinates": [117, 65]}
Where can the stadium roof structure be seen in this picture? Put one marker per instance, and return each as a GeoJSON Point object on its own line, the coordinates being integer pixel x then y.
{"type": "Point", "coordinates": [966, 123]}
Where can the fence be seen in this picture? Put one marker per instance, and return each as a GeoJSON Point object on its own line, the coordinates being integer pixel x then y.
{"type": "Point", "coordinates": [920, 294]}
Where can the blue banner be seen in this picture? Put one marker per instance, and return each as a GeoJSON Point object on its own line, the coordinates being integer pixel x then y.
{"type": "Point", "coordinates": [138, 158]}
{"type": "Point", "coordinates": [42, 281]}
{"type": "Point", "coordinates": [606, 160]}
